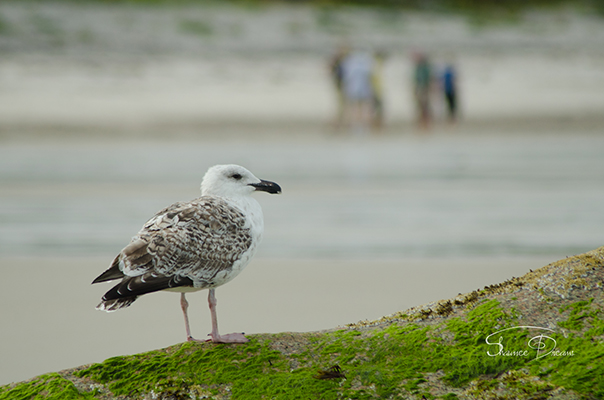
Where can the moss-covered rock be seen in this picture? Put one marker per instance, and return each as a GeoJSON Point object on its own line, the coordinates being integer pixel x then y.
{"type": "Point", "coordinates": [540, 336]}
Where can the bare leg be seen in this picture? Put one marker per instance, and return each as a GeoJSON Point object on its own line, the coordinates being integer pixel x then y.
{"type": "Point", "coordinates": [215, 336]}
{"type": "Point", "coordinates": [184, 304]}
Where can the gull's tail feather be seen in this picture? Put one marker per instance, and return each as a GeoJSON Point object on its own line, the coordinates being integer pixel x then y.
{"type": "Point", "coordinates": [115, 304]}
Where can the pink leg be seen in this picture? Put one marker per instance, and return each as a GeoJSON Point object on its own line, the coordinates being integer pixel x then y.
{"type": "Point", "coordinates": [184, 304]}
{"type": "Point", "coordinates": [215, 336]}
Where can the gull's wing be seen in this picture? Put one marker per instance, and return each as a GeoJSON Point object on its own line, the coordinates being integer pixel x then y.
{"type": "Point", "coordinates": [185, 244]}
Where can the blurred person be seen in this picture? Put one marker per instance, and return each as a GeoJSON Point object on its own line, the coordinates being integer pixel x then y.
{"type": "Point", "coordinates": [449, 87]}
{"type": "Point", "coordinates": [356, 84]}
{"type": "Point", "coordinates": [377, 111]}
{"type": "Point", "coordinates": [335, 70]}
{"type": "Point", "coordinates": [422, 85]}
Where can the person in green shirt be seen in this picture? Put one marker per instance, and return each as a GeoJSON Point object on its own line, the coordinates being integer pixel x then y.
{"type": "Point", "coordinates": [422, 84]}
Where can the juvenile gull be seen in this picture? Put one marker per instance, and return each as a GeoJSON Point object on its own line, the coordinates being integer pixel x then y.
{"type": "Point", "coordinates": [195, 245]}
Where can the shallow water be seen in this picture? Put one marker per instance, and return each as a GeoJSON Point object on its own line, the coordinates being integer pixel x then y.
{"type": "Point", "coordinates": [446, 195]}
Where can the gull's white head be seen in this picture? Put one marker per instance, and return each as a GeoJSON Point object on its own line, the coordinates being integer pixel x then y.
{"type": "Point", "coordinates": [234, 181]}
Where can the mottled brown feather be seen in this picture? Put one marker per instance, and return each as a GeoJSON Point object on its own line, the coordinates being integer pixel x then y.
{"type": "Point", "coordinates": [185, 244]}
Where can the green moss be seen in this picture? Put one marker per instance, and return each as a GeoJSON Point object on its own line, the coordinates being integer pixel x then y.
{"type": "Point", "coordinates": [398, 360]}
{"type": "Point", "coordinates": [581, 365]}
{"type": "Point", "coordinates": [249, 371]}
{"type": "Point", "coordinates": [580, 311]}
{"type": "Point", "coordinates": [383, 363]}
{"type": "Point", "coordinates": [48, 387]}
{"type": "Point", "coordinates": [380, 363]}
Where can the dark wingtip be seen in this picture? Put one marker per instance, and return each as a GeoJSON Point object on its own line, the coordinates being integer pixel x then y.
{"type": "Point", "coordinates": [109, 275]}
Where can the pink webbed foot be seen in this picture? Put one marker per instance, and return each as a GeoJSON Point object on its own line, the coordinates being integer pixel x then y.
{"type": "Point", "coordinates": [228, 338]}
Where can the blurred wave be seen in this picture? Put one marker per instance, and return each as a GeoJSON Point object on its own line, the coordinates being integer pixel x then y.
{"type": "Point", "coordinates": [444, 196]}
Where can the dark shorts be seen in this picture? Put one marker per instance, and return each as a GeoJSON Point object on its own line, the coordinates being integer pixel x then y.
{"type": "Point", "coordinates": [451, 102]}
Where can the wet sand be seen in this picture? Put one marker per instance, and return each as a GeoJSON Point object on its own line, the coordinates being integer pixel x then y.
{"type": "Point", "coordinates": [49, 321]}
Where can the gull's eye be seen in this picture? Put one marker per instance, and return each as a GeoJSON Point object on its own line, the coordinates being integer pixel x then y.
{"type": "Point", "coordinates": [236, 176]}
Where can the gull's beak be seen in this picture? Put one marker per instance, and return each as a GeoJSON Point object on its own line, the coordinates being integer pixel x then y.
{"type": "Point", "coordinates": [267, 186]}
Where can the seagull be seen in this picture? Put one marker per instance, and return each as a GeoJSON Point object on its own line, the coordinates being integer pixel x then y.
{"type": "Point", "coordinates": [195, 245]}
